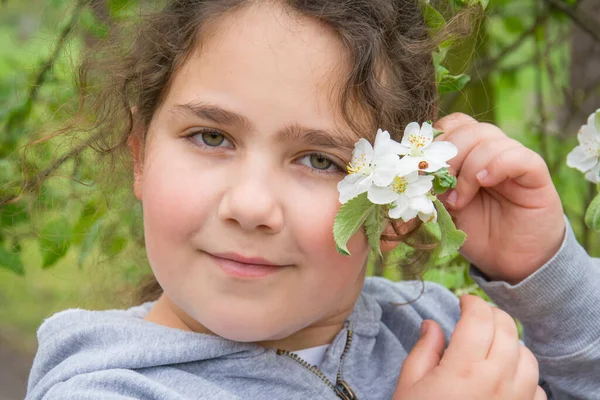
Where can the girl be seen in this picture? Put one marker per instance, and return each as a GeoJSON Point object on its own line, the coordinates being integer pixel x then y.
{"type": "Point", "coordinates": [244, 114]}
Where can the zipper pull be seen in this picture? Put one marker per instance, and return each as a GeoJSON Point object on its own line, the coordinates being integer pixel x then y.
{"type": "Point", "coordinates": [343, 391]}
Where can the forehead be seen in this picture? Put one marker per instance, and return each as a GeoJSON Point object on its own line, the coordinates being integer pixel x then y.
{"type": "Point", "coordinates": [267, 61]}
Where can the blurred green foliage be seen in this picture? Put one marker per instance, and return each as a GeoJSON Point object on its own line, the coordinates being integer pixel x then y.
{"type": "Point", "coordinates": [65, 242]}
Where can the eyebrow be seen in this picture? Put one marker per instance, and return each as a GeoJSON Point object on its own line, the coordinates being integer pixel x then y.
{"type": "Point", "coordinates": [291, 133]}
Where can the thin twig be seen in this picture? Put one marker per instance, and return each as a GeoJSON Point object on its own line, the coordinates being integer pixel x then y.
{"type": "Point", "coordinates": [492, 62]}
{"type": "Point", "coordinates": [33, 182]}
{"type": "Point", "coordinates": [42, 74]}
{"type": "Point", "coordinates": [585, 22]}
{"type": "Point", "coordinates": [485, 67]}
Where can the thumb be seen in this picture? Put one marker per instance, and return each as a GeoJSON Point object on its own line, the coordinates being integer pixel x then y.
{"type": "Point", "coordinates": [424, 356]}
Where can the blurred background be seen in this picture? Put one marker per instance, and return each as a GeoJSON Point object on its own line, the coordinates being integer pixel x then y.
{"type": "Point", "coordinates": [532, 67]}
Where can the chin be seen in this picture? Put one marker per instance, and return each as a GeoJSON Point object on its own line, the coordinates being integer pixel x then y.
{"type": "Point", "coordinates": [244, 328]}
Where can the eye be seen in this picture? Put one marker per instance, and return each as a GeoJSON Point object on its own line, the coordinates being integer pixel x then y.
{"type": "Point", "coordinates": [320, 163]}
{"type": "Point", "coordinates": [210, 138]}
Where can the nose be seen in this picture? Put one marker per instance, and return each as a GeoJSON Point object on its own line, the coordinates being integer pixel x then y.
{"type": "Point", "coordinates": [253, 202]}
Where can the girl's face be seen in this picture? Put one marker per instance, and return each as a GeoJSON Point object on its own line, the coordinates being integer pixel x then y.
{"type": "Point", "coordinates": [241, 166]}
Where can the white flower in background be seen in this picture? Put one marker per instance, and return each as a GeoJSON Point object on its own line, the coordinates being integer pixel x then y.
{"type": "Point", "coordinates": [421, 152]}
{"type": "Point", "coordinates": [408, 196]}
{"type": "Point", "coordinates": [370, 166]}
{"type": "Point", "coordinates": [585, 157]}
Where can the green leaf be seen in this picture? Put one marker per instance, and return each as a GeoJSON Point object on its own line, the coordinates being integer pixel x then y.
{"type": "Point", "coordinates": [11, 261]}
{"type": "Point", "coordinates": [13, 214]}
{"type": "Point", "coordinates": [513, 24]}
{"type": "Point", "coordinates": [440, 73]}
{"type": "Point", "coordinates": [592, 215]}
{"type": "Point", "coordinates": [88, 243]}
{"type": "Point", "coordinates": [432, 17]}
{"type": "Point", "coordinates": [451, 278]}
{"type": "Point", "coordinates": [443, 181]}
{"type": "Point", "coordinates": [469, 3]}
{"type": "Point", "coordinates": [349, 219]}
{"type": "Point", "coordinates": [597, 119]}
{"type": "Point", "coordinates": [114, 245]}
{"type": "Point", "coordinates": [453, 83]}
{"type": "Point", "coordinates": [88, 217]}
{"type": "Point", "coordinates": [55, 240]}
{"type": "Point", "coordinates": [450, 238]}
{"type": "Point", "coordinates": [93, 25]}
{"type": "Point", "coordinates": [122, 8]}
{"type": "Point", "coordinates": [440, 54]}
{"type": "Point", "coordinates": [375, 224]}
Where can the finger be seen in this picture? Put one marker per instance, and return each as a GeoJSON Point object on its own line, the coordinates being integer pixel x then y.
{"type": "Point", "coordinates": [540, 394]}
{"type": "Point", "coordinates": [452, 121]}
{"type": "Point", "coordinates": [506, 349]}
{"type": "Point", "coordinates": [466, 138]}
{"type": "Point", "coordinates": [467, 184]}
{"type": "Point", "coordinates": [424, 356]}
{"type": "Point", "coordinates": [525, 166]}
{"type": "Point", "coordinates": [527, 374]}
{"type": "Point", "coordinates": [474, 332]}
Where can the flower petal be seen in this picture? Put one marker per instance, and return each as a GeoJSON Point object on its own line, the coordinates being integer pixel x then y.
{"type": "Point", "coordinates": [381, 195]}
{"type": "Point", "coordinates": [408, 214]}
{"type": "Point", "coordinates": [381, 140]}
{"type": "Point", "coordinates": [593, 175]}
{"type": "Point", "coordinates": [432, 217]}
{"type": "Point", "coordinates": [412, 177]}
{"type": "Point", "coordinates": [440, 151]}
{"type": "Point", "coordinates": [363, 147]}
{"type": "Point", "coordinates": [434, 165]}
{"type": "Point", "coordinates": [384, 176]}
{"type": "Point", "coordinates": [353, 185]}
{"type": "Point", "coordinates": [408, 164]}
{"type": "Point", "coordinates": [411, 129]}
{"type": "Point", "coordinates": [581, 159]}
{"type": "Point", "coordinates": [591, 121]}
{"type": "Point", "coordinates": [422, 204]}
{"type": "Point", "coordinates": [420, 187]}
{"type": "Point", "coordinates": [399, 207]}
{"type": "Point", "coordinates": [427, 132]}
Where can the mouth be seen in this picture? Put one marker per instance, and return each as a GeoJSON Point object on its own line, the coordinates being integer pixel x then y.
{"type": "Point", "coordinates": [245, 267]}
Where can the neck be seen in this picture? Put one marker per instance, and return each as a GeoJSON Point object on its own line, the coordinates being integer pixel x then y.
{"type": "Point", "coordinates": [166, 313]}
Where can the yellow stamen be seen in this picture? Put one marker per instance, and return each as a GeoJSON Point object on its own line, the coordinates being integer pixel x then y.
{"type": "Point", "coordinates": [399, 185]}
{"type": "Point", "coordinates": [417, 141]}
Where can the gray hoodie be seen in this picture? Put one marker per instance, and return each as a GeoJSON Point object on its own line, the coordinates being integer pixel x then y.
{"type": "Point", "coordinates": [117, 355]}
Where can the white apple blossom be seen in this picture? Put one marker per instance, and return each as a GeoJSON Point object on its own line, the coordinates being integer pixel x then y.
{"type": "Point", "coordinates": [421, 152]}
{"type": "Point", "coordinates": [585, 157]}
{"type": "Point", "coordinates": [408, 196]}
{"type": "Point", "coordinates": [370, 166]}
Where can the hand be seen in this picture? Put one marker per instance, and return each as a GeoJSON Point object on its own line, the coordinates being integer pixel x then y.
{"type": "Point", "coordinates": [504, 200]}
{"type": "Point", "coordinates": [484, 360]}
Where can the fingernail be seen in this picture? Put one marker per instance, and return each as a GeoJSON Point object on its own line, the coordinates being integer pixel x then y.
{"type": "Point", "coordinates": [424, 326]}
{"type": "Point", "coordinates": [482, 175]}
{"type": "Point", "coordinates": [452, 197]}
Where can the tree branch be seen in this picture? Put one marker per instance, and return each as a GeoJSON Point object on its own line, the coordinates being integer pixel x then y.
{"type": "Point", "coordinates": [485, 67]}
{"type": "Point", "coordinates": [492, 62]}
{"type": "Point", "coordinates": [25, 109]}
{"type": "Point", "coordinates": [31, 183]}
{"type": "Point", "coordinates": [585, 22]}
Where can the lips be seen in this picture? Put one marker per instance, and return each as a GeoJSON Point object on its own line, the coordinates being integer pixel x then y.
{"type": "Point", "coordinates": [245, 267]}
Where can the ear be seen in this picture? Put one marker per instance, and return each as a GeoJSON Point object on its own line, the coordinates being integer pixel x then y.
{"type": "Point", "coordinates": [136, 143]}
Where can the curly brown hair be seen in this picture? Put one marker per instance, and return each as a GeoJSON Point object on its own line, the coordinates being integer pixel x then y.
{"type": "Point", "coordinates": [392, 76]}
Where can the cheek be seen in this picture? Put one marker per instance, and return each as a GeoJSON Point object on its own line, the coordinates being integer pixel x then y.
{"type": "Point", "coordinates": [175, 200]}
{"type": "Point", "coordinates": [314, 217]}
